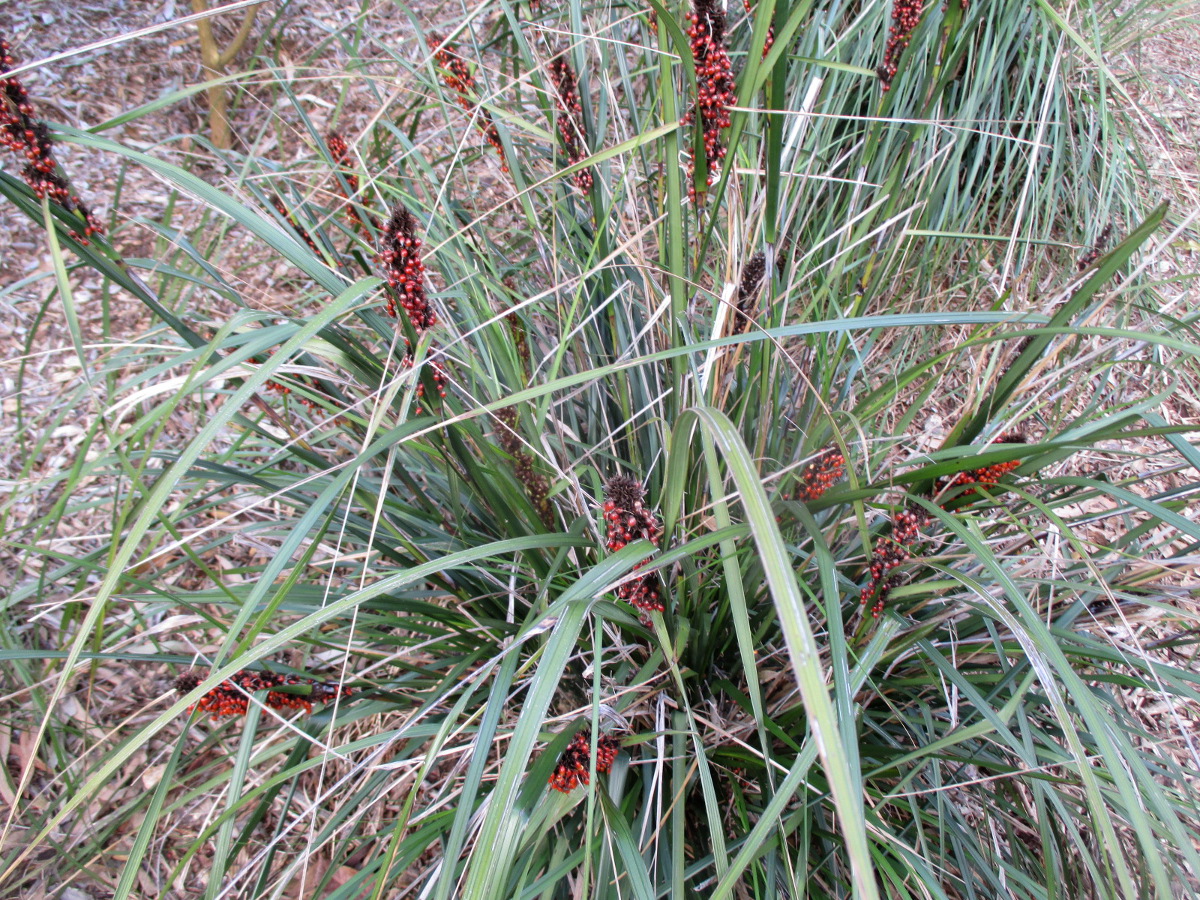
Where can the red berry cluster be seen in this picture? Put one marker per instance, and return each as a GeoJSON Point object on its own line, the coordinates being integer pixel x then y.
{"type": "Point", "coordinates": [770, 41]}
{"type": "Point", "coordinates": [405, 273]}
{"type": "Point", "coordinates": [437, 371]}
{"type": "Point", "coordinates": [714, 77]}
{"type": "Point", "coordinates": [985, 476]}
{"type": "Point", "coordinates": [627, 519]}
{"type": "Point", "coordinates": [339, 149]}
{"type": "Point", "coordinates": [492, 134]}
{"type": "Point", "coordinates": [820, 474]}
{"type": "Point", "coordinates": [889, 553]}
{"type": "Point", "coordinates": [313, 384]}
{"type": "Point", "coordinates": [574, 764]}
{"type": "Point", "coordinates": [456, 75]}
{"type": "Point", "coordinates": [626, 514]}
{"type": "Point", "coordinates": [644, 593]}
{"type": "Point", "coordinates": [232, 696]}
{"type": "Point", "coordinates": [752, 279]}
{"type": "Point", "coordinates": [906, 14]}
{"type": "Point", "coordinates": [907, 524]}
{"type": "Point", "coordinates": [537, 485]}
{"type": "Point", "coordinates": [23, 134]}
{"type": "Point", "coordinates": [570, 117]}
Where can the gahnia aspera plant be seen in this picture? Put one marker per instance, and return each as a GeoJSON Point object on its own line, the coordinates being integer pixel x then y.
{"type": "Point", "coordinates": [780, 526]}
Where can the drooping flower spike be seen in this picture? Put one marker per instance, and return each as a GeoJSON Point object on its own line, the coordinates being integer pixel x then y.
{"type": "Point", "coordinates": [456, 75]}
{"type": "Point", "coordinates": [537, 485]}
{"type": "Point", "coordinates": [232, 696]}
{"type": "Point", "coordinates": [753, 274]}
{"type": "Point", "coordinates": [436, 371]}
{"type": "Point", "coordinates": [29, 138]}
{"type": "Point", "coordinates": [290, 217]}
{"type": "Point", "coordinates": [1097, 248]}
{"type": "Point", "coordinates": [402, 267]}
{"type": "Point", "coordinates": [339, 149]}
{"type": "Point", "coordinates": [891, 552]}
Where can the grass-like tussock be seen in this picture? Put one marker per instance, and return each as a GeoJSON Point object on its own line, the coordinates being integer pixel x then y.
{"type": "Point", "coordinates": [591, 452]}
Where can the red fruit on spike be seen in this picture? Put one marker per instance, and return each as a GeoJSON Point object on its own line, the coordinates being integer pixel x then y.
{"type": "Point", "coordinates": [231, 697]}
{"type": "Point", "coordinates": [26, 137]}
{"type": "Point", "coordinates": [456, 75]}
{"type": "Point", "coordinates": [628, 520]}
{"type": "Point", "coordinates": [985, 475]}
{"type": "Point", "coordinates": [906, 15]}
{"type": "Point", "coordinates": [574, 764]}
{"type": "Point", "coordinates": [819, 475]}
{"type": "Point", "coordinates": [404, 271]}
{"type": "Point", "coordinates": [570, 119]}
{"type": "Point", "coordinates": [339, 150]}
{"type": "Point", "coordinates": [715, 83]}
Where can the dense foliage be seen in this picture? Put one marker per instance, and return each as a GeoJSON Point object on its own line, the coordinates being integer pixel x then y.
{"type": "Point", "coordinates": [681, 407]}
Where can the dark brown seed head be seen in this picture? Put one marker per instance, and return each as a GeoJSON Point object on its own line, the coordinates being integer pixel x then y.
{"type": "Point", "coordinates": [711, 17]}
{"type": "Point", "coordinates": [400, 224]}
{"type": "Point", "coordinates": [752, 278]}
{"type": "Point", "coordinates": [188, 681]}
{"type": "Point", "coordinates": [625, 492]}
